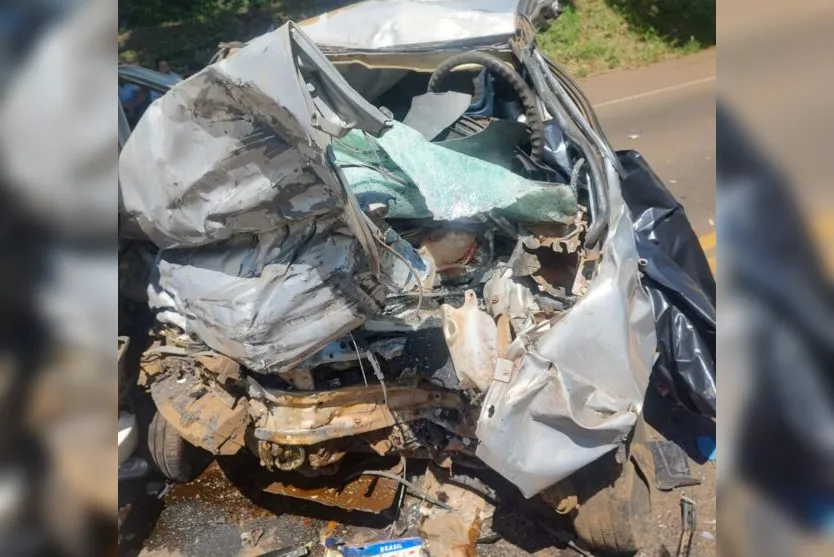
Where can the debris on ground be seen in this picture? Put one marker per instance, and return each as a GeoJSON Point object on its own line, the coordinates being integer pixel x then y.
{"type": "Point", "coordinates": [688, 523]}
{"type": "Point", "coordinates": [452, 532]}
{"type": "Point", "coordinates": [252, 537]}
{"type": "Point", "coordinates": [671, 465]}
{"type": "Point", "coordinates": [300, 551]}
{"type": "Point", "coordinates": [405, 547]}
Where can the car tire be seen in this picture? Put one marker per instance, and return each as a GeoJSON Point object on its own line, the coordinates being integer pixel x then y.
{"type": "Point", "coordinates": [614, 519]}
{"type": "Point", "coordinates": [174, 457]}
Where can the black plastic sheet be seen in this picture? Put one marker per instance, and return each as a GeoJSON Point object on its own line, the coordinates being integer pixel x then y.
{"type": "Point", "coordinates": [680, 284]}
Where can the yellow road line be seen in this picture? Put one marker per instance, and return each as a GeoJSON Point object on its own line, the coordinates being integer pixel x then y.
{"type": "Point", "coordinates": [822, 229]}
{"type": "Point", "coordinates": [708, 244]}
{"type": "Point", "coordinates": [708, 241]}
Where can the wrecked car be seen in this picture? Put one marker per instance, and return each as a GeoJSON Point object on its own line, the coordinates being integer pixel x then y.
{"type": "Point", "coordinates": [391, 240]}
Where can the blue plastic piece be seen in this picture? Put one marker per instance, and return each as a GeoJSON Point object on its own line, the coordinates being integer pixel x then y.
{"type": "Point", "coordinates": [706, 445]}
{"type": "Point", "coordinates": [405, 546]}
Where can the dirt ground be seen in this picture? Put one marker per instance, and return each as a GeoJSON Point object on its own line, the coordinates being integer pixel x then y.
{"type": "Point", "coordinates": [223, 513]}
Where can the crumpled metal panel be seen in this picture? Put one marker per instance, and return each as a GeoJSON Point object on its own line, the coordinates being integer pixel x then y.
{"type": "Point", "coordinates": [264, 255]}
{"type": "Point", "coordinates": [380, 24]}
{"type": "Point", "coordinates": [262, 301]}
{"type": "Point", "coordinates": [577, 391]}
{"type": "Point", "coordinates": [234, 149]}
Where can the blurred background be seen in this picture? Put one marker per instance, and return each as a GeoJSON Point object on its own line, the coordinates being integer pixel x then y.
{"type": "Point", "coordinates": [776, 246]}
{"type": "Point", "coordinates": [775, 221]}
{"type": "Point", "coordinates": [58, 147]}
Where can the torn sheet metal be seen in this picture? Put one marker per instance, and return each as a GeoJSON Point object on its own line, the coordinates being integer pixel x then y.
{"type": "Point", "coordinates": [236, 162]}
{"type": "Point", "coordinates": [556, 147]}
{"type": "Point", "coordinates": [234, 149]}
{"type": "Point", "coordinates": [680, 283]}
{"type": "Point", "coordinates": [260, 300]}
{"type": "Point", "coordinates": [419, 179]}
{"type": "Point", "coordinates": [381, 24]}
{"type": "Point", "coordinates": [505, 296]}
{"type": "Point", "coordinates": [577, 392]}
{"type": "Point", "coordinates": [207, 418]}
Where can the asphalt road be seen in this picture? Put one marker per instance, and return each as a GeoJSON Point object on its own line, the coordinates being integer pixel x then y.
{"type": "Point", "coordinates": [667, 113]}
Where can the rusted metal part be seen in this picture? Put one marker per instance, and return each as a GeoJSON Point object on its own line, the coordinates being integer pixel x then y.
{"type": "Point", "coordinates": [324, 455]}
{"type": "Point", "coordinates": [171, 359]}
{"type": "Point", "coordinates": [362, 493]}
{"type": "Point", "coordinates": [287, 458]}
{"type": "Point", "coordinates": [309, 419]}
{"type": "Point", "coordinates": [588, 263]}
{"type": "Point", "coordinates": [560, 238]}
{"type": "Point", "coordinates": [557, 271]}
{"type": "Point", "coordinates": [455, 533]}
{"type": "Point", "coordinates": [552, 261]}
{"type": "Point", "coordinates": [505, 335]}
{"type": "Point", "coordinates": [561, 497]}
{"type": "Point", "coordinates": [382, 447]}
{"type": "Point", "coordinates": [150, 366]}
{"type": "Point", "coordinates": [225, 368]}
{"type": "Point", "coordinates": [202, 417]}
{"type": "Point", "coordinates": [319, 459]}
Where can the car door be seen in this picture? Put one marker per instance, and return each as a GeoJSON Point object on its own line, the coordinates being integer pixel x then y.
{"type": "Point", "coordinates": [148, 81]}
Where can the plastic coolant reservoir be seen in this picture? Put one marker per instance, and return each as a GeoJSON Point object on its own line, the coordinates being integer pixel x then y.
{"type": "Point", "coordinates": [472, 338]}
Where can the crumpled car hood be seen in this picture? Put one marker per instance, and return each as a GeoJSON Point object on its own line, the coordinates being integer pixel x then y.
{"type": "Point", "coordinates": [228, 174]}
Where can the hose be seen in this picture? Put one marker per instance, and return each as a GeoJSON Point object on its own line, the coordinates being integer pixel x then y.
{"type": "Point", "coordinates": [497, 67]}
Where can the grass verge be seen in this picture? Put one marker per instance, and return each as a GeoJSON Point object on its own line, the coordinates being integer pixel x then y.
{"type": "Point", "coordinates": [595, 36]}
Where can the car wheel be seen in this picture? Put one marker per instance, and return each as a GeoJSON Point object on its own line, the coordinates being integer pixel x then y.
{"type": "Point", "coordinates": [177, 459]}
{"type": "Point", "coordinates": [613, 519]}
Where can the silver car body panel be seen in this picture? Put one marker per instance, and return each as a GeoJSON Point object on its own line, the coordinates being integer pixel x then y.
{"type": "Point", "coordinates": [576, 392]}
{"type": "Point", "coordinates": [385, 24]}
{"type": "Point", "coordinates": [229, 174]}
